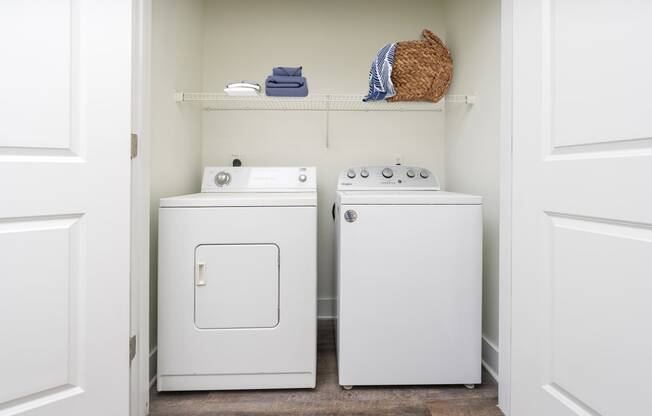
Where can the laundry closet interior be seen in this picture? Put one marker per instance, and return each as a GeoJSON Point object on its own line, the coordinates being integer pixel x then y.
{"type": "Point", "coordinates": [199, 46]}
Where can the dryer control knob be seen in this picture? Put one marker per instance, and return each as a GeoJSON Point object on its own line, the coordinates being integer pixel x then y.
{"type": "Point", "coordinates": [350, 173]}
{"type": "Point", "coordinates": [303, 178]}
{"type": "Point", "coordinates": [364, 173]}
{"type": "Point", "coordinates": [222, 178]}
{"type": "Point", "coordinates": [388, 173]}
{"type": "Point", "coordinates": [410, 173]}
{"type": "Point", "coordinates": [424, 174]}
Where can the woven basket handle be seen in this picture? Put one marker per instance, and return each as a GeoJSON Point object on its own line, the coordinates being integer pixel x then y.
{"type": "Point", "coordinates": [431, 38]}
{"type": "Point", "coordinates": [436, 43]}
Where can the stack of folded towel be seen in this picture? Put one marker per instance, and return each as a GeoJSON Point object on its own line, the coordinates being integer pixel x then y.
{"type": "Point", "coordinates": [286, 82]}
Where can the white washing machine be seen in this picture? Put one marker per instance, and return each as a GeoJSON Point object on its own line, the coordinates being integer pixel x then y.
{"type": "Point", "coordinates": [409, 277]}
{"type": "Point", "coordinates": [237, 281]}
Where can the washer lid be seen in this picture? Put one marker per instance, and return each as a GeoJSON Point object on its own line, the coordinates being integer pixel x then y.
{"type": "Point", "coordinates": [242, 199]}
{"type": "Point", "coordinates": [406, 198]}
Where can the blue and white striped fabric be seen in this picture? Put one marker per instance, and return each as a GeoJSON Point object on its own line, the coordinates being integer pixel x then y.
{"type": "Point", "coordinates": [380, 75]}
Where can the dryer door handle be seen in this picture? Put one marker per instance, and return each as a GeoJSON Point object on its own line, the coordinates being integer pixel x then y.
{"type": "Point", "coordinates": [199, 273]}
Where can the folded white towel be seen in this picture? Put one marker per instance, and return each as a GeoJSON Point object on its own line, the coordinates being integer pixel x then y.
{"type": "Point", "coordinates": [241, 91]}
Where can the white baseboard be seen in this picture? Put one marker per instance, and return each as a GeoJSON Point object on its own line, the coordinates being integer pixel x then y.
{"type": "Point", "coordinates": [490, 357]}
{"type": "Point", "coordinates": [326, 308]}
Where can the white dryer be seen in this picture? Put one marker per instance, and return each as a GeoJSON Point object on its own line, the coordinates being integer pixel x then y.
{"type": "Point", "coordinates": [237, 281]}
{"type": "Point", "coordinates": [409, 277]}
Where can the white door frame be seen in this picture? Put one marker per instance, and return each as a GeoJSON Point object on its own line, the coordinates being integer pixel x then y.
{"type": "Point", "coordinates": [140, 204]}
{"type": "Point", "coordinates": [505, 256]}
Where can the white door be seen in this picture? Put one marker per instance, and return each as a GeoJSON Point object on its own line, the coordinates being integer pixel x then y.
{"type": "Point", "coordinates": [64, 211]}
{"type": "Point", "coordinates": [582, 208]}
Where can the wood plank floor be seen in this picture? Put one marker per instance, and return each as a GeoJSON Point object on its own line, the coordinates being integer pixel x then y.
{"type": "Point", "coordinates": [329, 399]}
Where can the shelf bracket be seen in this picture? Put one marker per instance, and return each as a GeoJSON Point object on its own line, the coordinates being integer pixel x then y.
{"type": "Point", "coordinates": [461, 99]}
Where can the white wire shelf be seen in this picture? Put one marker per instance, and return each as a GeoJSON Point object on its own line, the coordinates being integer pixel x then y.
{"type": "Point", "coordinates": [316, 102]}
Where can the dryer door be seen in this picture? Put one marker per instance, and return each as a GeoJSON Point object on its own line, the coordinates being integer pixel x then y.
{"type": "Point", "coordinates": [236, 286]}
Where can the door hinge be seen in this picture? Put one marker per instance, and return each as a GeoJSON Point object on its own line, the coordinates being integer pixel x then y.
{"type": "Point", "coordinates": [134, 145]}
{"type": "Point", "coordinates": [132, 348]}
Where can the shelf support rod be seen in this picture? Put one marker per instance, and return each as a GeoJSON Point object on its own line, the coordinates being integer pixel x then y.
{"type": "Point", "coordinates": [328, 124]}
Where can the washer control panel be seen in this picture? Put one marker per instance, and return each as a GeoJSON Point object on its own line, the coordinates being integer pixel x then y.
{"type": "Point", "coordinates": [259, 179]}
{"type": "Point", "coordinates": [388, 177]}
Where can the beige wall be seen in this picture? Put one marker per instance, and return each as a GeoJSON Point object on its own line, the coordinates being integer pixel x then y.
{"type": "Point", "coordinates": [473, 135]}
{"type": "Point", "coordinates": [335, 42]}
{"type": "Point", "coordinates": [175, 130]}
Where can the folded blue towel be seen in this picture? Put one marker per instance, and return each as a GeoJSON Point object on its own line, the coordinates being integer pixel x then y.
{"type": "Point", "coordinates": [275, 81]}
{"type": "Point", "coordinates": [380, 75]}
{"type": "Point", "coordinates": [287, 92]}
{"type": "Point", "coordinates": [287, 71]}
{"type": "Point", "coordinates": [281, 86]}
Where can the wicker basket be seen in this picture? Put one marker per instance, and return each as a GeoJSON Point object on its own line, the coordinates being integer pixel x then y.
{"type": "Point", "coordinates": [423, 69]}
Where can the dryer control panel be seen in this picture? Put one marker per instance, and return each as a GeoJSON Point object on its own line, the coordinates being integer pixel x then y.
{"type": "Point", "coordinates": [396, 177]}
{"type": "Point", "coordinates": [259, 179]}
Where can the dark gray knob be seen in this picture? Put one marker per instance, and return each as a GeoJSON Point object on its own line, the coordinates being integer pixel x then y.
{"type": "Point", "coordinates": [350, 173]}
{"type": "Point", "coordinates": [410, 173]}
{"type": "Point", "coordinates": [364, 173]}
{"type": "Point", "coordinates": [388, 173]}
{"type": "Point", "coordinates": [424, 174]}
{"type": "Point", "coordinates": [222, 178]}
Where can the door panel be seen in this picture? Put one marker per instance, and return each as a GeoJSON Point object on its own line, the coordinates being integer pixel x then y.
{"type": "Point", "coordinates": [592, 319]}
{"type": "Point", "coordinates": [582, 213]}
{"type": "Point", "coordinates": [598, 59]}
{"type": "Point", "coordinates": [64, 215]}
{"type": "Point", "coordinates": [236, 286]}
{"type": "Point", "coordinates": [40, 295]}
{"type": "Point", "coordinates": [36, 73]}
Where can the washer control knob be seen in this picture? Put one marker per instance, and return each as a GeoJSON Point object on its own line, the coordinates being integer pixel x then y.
{"type": "Point", "coordinates": [222, 178]}
{"type": "Point", "coordinates": [303, 178]}
{"type": "Point", "coordinates": [388, 173]}
{"type": "Point", "coordinates": [424, 174]}
{"type": "Point", "coordinates": [410, 173]}
{"type": "Point", "coordinates": [350, 173]}
{"type": "Point", "coordinates": [364, 173]}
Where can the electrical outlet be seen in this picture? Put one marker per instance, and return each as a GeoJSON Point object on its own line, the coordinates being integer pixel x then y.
{"type": "Point", "coordinates": [236, 160]}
